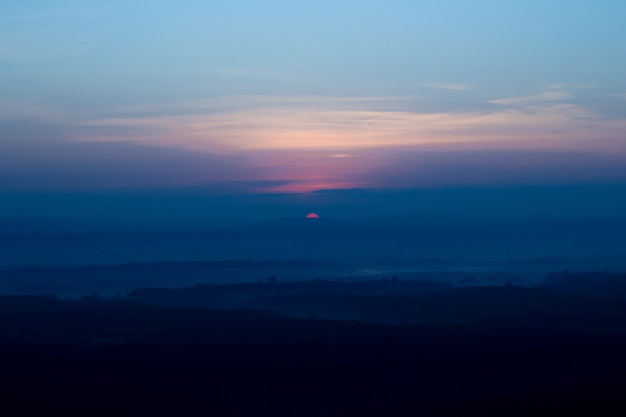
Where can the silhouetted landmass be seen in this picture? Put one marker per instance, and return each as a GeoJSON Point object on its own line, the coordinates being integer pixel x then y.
{"type": "Point", "coordinates": [602, 284]}
{"type": "Point", "coordinates": [94, 357]}
{"type": "Point", "coordinates": [245, 295]}
{"type": "Point", "coordinates": [399, 347]}
{"type": "Point", "coordinates": [590, 300]}
{"type": "Point", "coordinates": [73, 280]}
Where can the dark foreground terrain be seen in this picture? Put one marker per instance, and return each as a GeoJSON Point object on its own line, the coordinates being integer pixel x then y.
{"type": "Point", "coordinates": [545, 356]}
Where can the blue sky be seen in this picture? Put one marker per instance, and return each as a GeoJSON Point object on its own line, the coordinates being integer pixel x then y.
{"type": "Point", "coordinates": [295, 96]}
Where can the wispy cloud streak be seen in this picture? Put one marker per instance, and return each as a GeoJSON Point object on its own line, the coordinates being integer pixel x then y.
{"type": "Point", "coordinates": [310, 123]}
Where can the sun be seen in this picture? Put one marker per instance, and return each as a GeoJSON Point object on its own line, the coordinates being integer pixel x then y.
{"type": "Point", "coordinates": [312, 216]}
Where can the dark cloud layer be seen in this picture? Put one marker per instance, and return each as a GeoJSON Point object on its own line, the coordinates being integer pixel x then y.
{"type": "Point", "coordinates": [41, 157]}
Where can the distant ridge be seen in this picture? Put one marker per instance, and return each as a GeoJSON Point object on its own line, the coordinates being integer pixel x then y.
{"type": "Point", "coordinates": [248, 263]}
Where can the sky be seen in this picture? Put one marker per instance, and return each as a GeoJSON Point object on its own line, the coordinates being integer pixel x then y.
{"type": "Point", "coordinates": [257, 97]}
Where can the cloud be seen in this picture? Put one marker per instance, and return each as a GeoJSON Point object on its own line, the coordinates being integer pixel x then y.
{"type": "Point", "coordinates": [547, 96]}
{"type": "Point", "coordinates": [410, 169]}
{"type": "Point", "coordinates": [569, 86]}
{"type": "Point", "coordinates": [554, 116]}
{"type": "Point", "coordinates": [286, 144]}
{"type": "Point", "coordinates": [312, 124]}
{"type": "Point", "coordinates": [448, 86]}
{"type": "Point", "coordinates": [593, 104]}
{"type": "Point", "coordinates": [550, 92]}
{"type": "Point", "coordinates": [32, 109]}
{"type": "Point", "coordinates": [232, 103]}
{"type": "Point", "coordinates": [41, 156]}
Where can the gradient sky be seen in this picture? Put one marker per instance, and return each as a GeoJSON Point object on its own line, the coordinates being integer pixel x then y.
{"type": "Point", "coordinates": [293, 96]}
